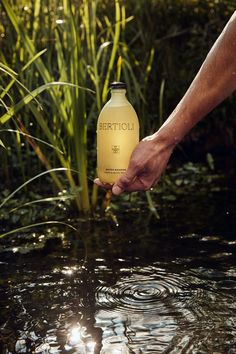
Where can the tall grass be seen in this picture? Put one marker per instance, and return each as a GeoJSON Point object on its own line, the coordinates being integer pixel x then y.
{"type": "Point", "coordinates": [81, 50]}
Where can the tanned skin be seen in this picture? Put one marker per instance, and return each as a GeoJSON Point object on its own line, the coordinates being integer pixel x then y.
{"type": "Point", "coordinates": [214, 82]}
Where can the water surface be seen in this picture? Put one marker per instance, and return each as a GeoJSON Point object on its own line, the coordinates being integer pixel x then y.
{"type": "Point", "coordinates": [147, 286]}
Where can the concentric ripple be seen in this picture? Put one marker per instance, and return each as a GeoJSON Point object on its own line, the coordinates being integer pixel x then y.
{"type": "Point", "coordinates": [144, 290]}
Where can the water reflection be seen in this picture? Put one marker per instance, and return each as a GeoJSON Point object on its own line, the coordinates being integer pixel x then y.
{"type": "Point", "coordinates": [141, 312]}
{"type": "Point", "coordinates": [146, 289]}
{"type": "Point", "coordinates": [147, 309]}
{"type": "Point", "coordinates": [143, 289]}
{"type": "Point", "coordinates": [155, 311]}
{"type": "Point", "coordinates": [78, 340]}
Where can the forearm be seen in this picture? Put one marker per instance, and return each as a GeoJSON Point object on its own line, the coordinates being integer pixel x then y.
{"type": "Point", "coordinates": [215, 81]}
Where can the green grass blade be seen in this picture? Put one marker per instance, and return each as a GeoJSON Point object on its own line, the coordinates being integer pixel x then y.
{"type": "Point", "coordinates": [114, 50]}
{"type": "Point", "coordinates": [28, 44]}
{"type": "Point", "coordinates": [16, 80]}
{"type": "Point", "coordinates": [31, 180]}
{"type": "Point", "coordinates": [22, 70]}
{"type": "Point", "coordinates": [8, 70]}
{"type": "Point", "coordinates": [44, 200]}
{"type": "Point", "coordinates": [161, 101]}
{"type": "Point", "coordinates": [44, 223]}
{"type": "Point", "coordinates": [151, 205]}
{"type": "Point", "coordinates": [1, 144]}
{"type": "Point", "coordinates": [32, 137]}
{"type": "Point", "coordinates": [27, 99]}
{"type": "Point", "coordinates": [33, 59]}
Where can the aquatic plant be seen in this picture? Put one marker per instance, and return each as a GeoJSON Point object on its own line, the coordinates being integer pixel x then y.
{"type": "Point", "coordinates": [85, 52]}
{"type": "Point", "coordinates": [86, 44]}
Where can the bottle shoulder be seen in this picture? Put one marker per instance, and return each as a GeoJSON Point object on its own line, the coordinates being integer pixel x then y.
{"type": "Point", "coordinates": [117, 103]}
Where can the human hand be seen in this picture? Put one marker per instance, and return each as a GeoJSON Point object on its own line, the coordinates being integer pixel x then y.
{"type": "Point", "coordinates": [148, 161]}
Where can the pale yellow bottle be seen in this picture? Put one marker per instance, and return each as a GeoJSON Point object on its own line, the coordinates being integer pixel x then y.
{"type": "Point", "coordinates": [117, 135]}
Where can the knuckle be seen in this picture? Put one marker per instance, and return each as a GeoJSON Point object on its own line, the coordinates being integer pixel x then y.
{"type": "Point", "coordinates": [136, 166]}
{"type": "Point", "coordinates": [139, 166]}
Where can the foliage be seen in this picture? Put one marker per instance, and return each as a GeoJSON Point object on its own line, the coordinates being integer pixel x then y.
{"type": "Point", "coordinates": [87, 52]}
{"type": "Point", "coordinates": [181, 34]}
{"type": "Point", "coordinates": [156, 46]}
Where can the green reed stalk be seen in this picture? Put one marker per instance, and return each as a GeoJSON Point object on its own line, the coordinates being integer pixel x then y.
{"type": "Point", "coordinates": [116, 38]}
{"type": "Point", "coordinates": [78, 109]}
{"type": "Point", "coordinates": [83, 53]}
{"type": "Point", "coordinates": [82, 201]}
{"type": "Point", "coordinates": [89, 19]}
{"type": "Point", "coordinates": [161, 102]}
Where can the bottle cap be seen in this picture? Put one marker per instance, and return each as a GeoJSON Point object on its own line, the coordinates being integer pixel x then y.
{"type": "Point", "coordinates": [116, 85]}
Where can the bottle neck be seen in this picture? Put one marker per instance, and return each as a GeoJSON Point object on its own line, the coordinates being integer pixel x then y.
{"type": "Point", "coordinates": [118, 97]}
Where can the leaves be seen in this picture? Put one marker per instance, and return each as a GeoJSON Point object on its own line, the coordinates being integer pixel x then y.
{"type": "Point", "coordinates": [28, 98]}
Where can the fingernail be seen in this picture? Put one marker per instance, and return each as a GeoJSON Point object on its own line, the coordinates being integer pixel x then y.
{"type": "Point", "coordinates": [117, 190]}
{"type": "Point", "coordinates": [96, 181]}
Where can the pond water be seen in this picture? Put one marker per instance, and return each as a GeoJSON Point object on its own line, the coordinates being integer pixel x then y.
{"type": "Point", "coordinates": [145, 286]}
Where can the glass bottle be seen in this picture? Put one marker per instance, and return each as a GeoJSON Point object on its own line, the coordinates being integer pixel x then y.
{"type": "Point", "coordinates": [117, 135]}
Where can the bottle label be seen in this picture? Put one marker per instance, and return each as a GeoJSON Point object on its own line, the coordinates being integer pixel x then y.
{"type": "Point", "coordinates": [115, 170]}
{"type": "Point", "coordinates": [115, 149]}
{"type": "Point", "coordinates": [116, 126]}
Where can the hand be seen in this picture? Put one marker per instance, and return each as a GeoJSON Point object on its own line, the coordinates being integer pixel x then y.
{"type": "Point", "coordinates": [148, 161]}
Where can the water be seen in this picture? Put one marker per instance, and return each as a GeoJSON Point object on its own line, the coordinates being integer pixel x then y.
{"type": "Point", "coordinates": [146, 286]}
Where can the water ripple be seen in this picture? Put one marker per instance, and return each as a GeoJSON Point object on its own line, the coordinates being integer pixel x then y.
{"type": "Point", "coordinates": [156, 310]}
{"type": "Point", "coordinates": [144, 290]}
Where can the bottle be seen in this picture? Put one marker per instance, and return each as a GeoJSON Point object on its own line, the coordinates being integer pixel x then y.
{"type": "Point", "coordinates": [117, 135]}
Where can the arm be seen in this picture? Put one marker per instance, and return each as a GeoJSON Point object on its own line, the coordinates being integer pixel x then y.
{"type": "Point", "coordinates": [215, 81]}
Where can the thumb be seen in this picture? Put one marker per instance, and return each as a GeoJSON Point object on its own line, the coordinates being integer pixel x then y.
{"type": "Point", "coordinates": [123, 182]}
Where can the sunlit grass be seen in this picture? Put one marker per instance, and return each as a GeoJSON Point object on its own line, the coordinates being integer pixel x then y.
{"type": "Point", "coordinates": [81, 62]}
{"type": "Point", "coordinates": [63, 85]}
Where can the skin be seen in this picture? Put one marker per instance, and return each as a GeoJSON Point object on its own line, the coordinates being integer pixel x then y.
{"type": "Point", "coordinates": [214, 82]}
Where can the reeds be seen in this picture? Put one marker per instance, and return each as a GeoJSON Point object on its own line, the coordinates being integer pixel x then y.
{"type": "Point", "coordinates": [68, 71]}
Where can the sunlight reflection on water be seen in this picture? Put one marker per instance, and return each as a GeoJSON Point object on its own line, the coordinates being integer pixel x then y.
{"type": "Point", "coordinates": [145, 288]}
{"type": "Point", "coordinates": [77, 341]}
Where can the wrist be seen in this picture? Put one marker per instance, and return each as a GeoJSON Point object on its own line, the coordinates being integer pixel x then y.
{"type": "Point", "coordinates": [178, 124]}
{"type": "Point", "coordinates": [160, 142]}
{"type": "Point", "coordinates": [166, 138]}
